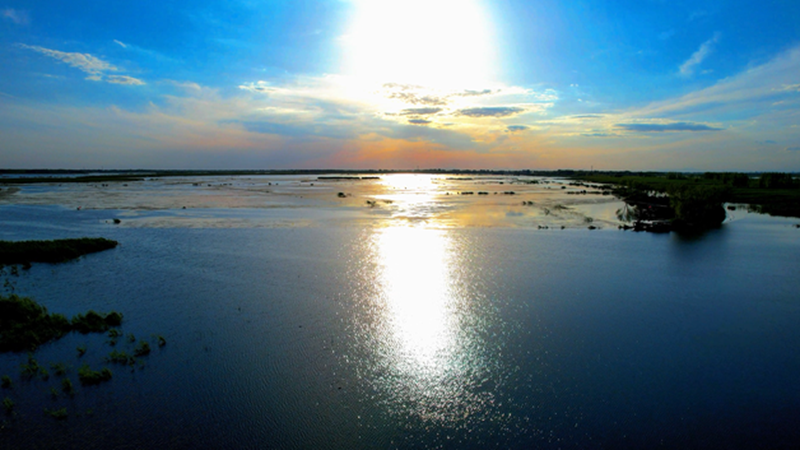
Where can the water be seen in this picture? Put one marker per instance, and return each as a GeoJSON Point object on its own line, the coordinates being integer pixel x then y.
{"type": "Point", "coordinates": [390, 332]}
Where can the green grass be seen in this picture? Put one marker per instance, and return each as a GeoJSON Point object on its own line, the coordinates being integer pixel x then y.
{"type": "Point", "coordinates": [56, 251]}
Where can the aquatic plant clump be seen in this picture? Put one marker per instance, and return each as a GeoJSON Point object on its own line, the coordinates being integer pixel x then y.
{"type": "Point", "coordinates": [89, 377]}
{"type": "Point", "coordinates": [25, 324]}
{"type": "Point", "coordinates": [55, 251]}
{"type": "Point", "coordinates": [94, 322]}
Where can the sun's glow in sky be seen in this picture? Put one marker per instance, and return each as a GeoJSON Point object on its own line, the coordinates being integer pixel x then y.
{"type": "Point", "coordinates": [432, 43]}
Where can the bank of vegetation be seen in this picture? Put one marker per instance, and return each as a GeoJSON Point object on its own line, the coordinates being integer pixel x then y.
{"type": "Point", "coordinates": [53, 251]}
{"type": "Point", "coordinates": [25, 324]}
{"type": "Point", "coordinates": [695, 201]}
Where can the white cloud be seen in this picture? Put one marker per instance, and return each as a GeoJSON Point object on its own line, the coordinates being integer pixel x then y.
{"type": "Point", "coordinates": [124, 79]}
{"type": "Point", "coordinates": [16, 16]}
{"type": "Point", "coordinates": [121, 44]}
{"type": "Point", "coordinates": [706, 48]}
{"type": "Point", "coordinates": [83, 61]}
{"type": "Point", "coordinates": [94, 67]}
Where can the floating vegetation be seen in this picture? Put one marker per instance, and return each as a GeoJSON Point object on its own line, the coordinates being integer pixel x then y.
{"type": "Point", "coordinates": [56, 251]}
{"type": "Point", "coordinates": [131, 338]}
{"type": "Point", "coordinates": [31, 368]}
{"type": "Point", "coordinates": [89, 377]}
{"type": "Point", "coordinates": [6, 382]}
{"type": "Point", "coordinates": [341, 195]}
{"type": "Point", "coordinates": [81, 350]}
{"type": "Point", "coordinates": [114, 333]}
{"type": "Point", "coordinates": [142, 349]}
{"type": "Point", "coordinates": [8, 405]}
{"type": "Point", "coordinates": [54, 392]}
{"type": "Point", "coordinates": [120, 357]}
{"type": "Point", "coordinates": [161, 341]}
{"type": "Point", "coordinates": [66, 386]}
{"type": "Point", "coordinates": [58, 414]}
{"type": "Point", "coordinates": [93, 322]}
{"type": "Point", "coordinates": [60, 369]}
{"type": "Point", "coordinates": [25, 325]}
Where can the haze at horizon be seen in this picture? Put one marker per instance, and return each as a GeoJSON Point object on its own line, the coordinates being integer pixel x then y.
{"type": "Point", "coordinates": [654, 85]}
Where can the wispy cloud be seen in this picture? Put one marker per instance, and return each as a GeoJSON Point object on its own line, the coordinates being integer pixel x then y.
{"type": "Point", "coordinates": [419, 111]}
{"type": "Point", "coordinates": [419, 121]}
{"type": "Point", "coordinates": [121, 44]}
{"type": "Point", "coordinates": [515, 128]}
{"type": "Point", "coordinates": [124, 79]}
{"type": "Point", "coordinates": [668, 126]}
{"type": "Point", "coordinates": [94, 67]}
{"type": "Point", "coordinates": [490, 111]}
{"type": "Point", "coordinates": [793, 149]}
{"type": "Point", "coordinates": [17, 16]}
{"type": "Point", "coordinates": [83, 61]}
{"type": "Point", "coordinates": [688, 68]}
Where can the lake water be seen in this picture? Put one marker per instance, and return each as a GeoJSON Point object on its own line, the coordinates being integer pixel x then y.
{"type": "Point", "coordinates": [295, 318]}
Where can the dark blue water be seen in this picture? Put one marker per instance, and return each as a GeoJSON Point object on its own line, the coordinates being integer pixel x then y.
{"type": "Point", "coordinates": [396, 337]}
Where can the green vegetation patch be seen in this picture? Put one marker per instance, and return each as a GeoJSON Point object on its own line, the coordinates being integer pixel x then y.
{"type": "Point", "coordinates": [58, 414]}
{"type": "Point", "coordinates": [89, 377]}
{"type": "Point", "coordinates": [25, 324]}
{"type": "Point", "coordinates": [56, 251]}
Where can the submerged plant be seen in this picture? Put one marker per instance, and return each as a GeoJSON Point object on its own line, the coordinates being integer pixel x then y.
{"type": "Point", "coordinates": [142, 349]}
{"type": "Point", "coordinates": [118, 357]}
{"type": "Point", "coordinates": [59, 369]}
{"type": "Point", "coordinates": [58, 414]}
{"type": "Point", "coordinates": [90, 377]}
{"type": "Point", "coordinates": [66, 386]}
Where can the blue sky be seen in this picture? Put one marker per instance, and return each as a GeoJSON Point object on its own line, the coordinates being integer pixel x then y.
{"type": "Point", "coordinates": [661, 85]}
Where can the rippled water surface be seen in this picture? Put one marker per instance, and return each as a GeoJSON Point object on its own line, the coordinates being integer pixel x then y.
{"type": "Point", "coordinates": [401, 325]}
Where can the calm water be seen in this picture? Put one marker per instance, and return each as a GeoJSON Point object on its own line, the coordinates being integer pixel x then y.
{"type": "Point", "coordinates": [407, 335]}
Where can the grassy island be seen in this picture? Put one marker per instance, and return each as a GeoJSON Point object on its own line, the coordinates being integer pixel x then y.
{"type": "Point", "coordinates": [55, 251]}
{"type": "Point", "coordinates": [25, 324]}
{"type": "Point", "coordinates": [691, 202]}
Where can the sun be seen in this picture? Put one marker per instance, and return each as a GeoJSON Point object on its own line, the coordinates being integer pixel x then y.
{"type": "Point", "coordinates": [439, 44]}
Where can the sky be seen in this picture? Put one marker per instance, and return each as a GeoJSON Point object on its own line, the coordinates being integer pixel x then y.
{"type": "Point", "coordinates": [701, 85]}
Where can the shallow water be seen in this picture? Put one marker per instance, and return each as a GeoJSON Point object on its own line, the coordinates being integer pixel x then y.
{"type": "Point", "coordinates": [406, 326]}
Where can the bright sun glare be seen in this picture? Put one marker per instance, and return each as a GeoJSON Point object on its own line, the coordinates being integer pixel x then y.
{"type": "Point", "coordinates": [431, 43]}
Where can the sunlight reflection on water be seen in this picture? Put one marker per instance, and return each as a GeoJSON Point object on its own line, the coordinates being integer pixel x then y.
{"type": "Point", "coordinates": [428, 360]}
{"type": "Point", "coordinates": [428, 351]}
